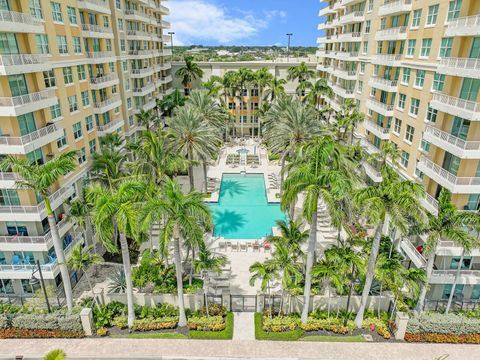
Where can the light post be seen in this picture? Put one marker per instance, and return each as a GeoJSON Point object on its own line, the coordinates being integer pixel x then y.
{"type": "Point", "coordinates": [289, 35]}
{"type": "Point", "coordinates": [34, 281]}
{"type": "Point", "coordinates": [171, 33]}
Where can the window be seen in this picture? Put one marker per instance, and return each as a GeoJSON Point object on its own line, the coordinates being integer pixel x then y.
{"type": "Point", "coordinates": [82, 156]}
{"type": "Point", "coordinates": [425, 146]}
{"type": "Point", "coordinates": [42, 44]}
{"type": "Point", "coordinates": [62, 141]}
{"type": "Point", "coordinates": [35, 8]}
{"type": "Point", "coordinates": [420, 78]}
{"type": "Point", "coordinates": [105, 22]}
{"type": "Point", "coordinates": [367, 26]}
{"type": "Point", "coordinates": [89, 123]}
{"type": "Point", "coordinates": [62, 44]}
{"type": "Point", "coordinates": [454, 9]}
{"type": "Point", "coordinates": [35, 156]}
{"type": "Point", "coordinates": [365, 47]}
{"type": "Point", "coordinates": [431, 115]}
{"type": "Point", "coordinates": [77, 47]}
{"type": "Point", "coordinates": [409, 133]}
{"type": "Point", "coordinates": [417, 16]}
{"type": "Point", "coordinates": [72, 15]}
{"type": "Point", "coordinates": [362, 68]}
{"type": "Point", "coordinates": [438, 82]}
{"type": "Point", "coordinates": [56, 12]}
{"type": "Point", "coordinates": [85, 98]}
{"type": "Point", "coordinates": [120, 24]}
{"type": "Point", "coordinates": [72, 103]}
{"type": "Point", "coordinates": [412, 43]}
{"type": "Point", "coordinates": [9, 197]}
{"type": "Point", "coordinates": [125, 66]}
{"type": "Point", "coordinates": [360, 86]}
{"type": "Point", "coordinates": [370, 5]}
{"type": "Point", "coordinates": [56, 111]}
{"type": "Point", "coordinates": [109, 45]}
{"type": "Point", "coordinates": [404, 157]}
{"type": "Point", "coordinates": [414, 106]}
{"type": "Point", "coordinates": [432, 15]}
{"type": "Point", "coordinates": [81, 72]}
{"type": "Point", "coordinates": [92, 144]}
{"type": "Point", "coordinates": [446, 47]}
{"type": "Point", "coordinates": [402, 100]}
{"type": "Point", "coordinates": [406, 76]}
{"type": "Point", "coordinates": [49, 78]}
{"type": "Point", "coordinates": [122, 45]}
{"type": "Point", "coordinates": [77, 130]}
{"type": "Point", "coordinates": [129, 103]}
{"type": "Point", "coordinates": [447, 290]}
{"type": "Point", "coordinates": [118, 4]}
{"type": "Point", "coordinates": [397, 126]}
{"type": "Point", "coordinates": [426, 45]}
{"type": "Point", "coordinates": [67, 75]}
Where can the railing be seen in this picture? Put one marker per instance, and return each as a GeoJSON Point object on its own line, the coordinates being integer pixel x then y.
{"type": "Point", "coordinates": [385, 107]}
{"type": "Point", "coordinates": [103, 79]}
{"type": "Point", "coordinates": [100, 54]}
{"type": "Point", "coordinates": [138, 33]}
{"type": "Point", "coordinates": [140, 52]}
{"type": "Point", "coordinates": [377, 127]}
{"type": "Point", "coordinates": [8, 176]}
{"type": "Point", "coordinates": [107, 102]}
{"type": "Point", "coordinates": [350, 35]}
{"type": "Point", "coordinates": [451, 273]}
{"type": "Point", "coordinates": [465, 22]}
{"type": "Point", "coordinates": [18, 17]}
{"type": "Point", "coordinates": [99, 3]}
{"type": "Point", "coordinates": [164, 9]}
{"type": "Point", "coordinates": [429, 199]}
{"type": "Point", "coordinates": [96, 28]}
{"type": "Point", "coordinates": [456, 102]}
{"type": "Point", "coordinates": [146, 17]}
{"type": "Point", "coordinates": [22, 59]}
{"type": "Point", "coordinates": [352, 15]}
{"type": "Point", "coordinates": [26, 139]}
{"type": "Point", "coordinates": [45, 267]}
{"type": "Point", "coordinates": [376, 80]}
{"type": "Point", "coordinates": [437, 169]}
{"type": "Point", "coordinates": [110, 125]}
{"type": "Point", "coordinates": [461, 63]}
{"type": "Point", "coordinates": [32, 239]}
{"type": "Point", "coordinates": [395, 5]}
{"type": "Point", "coordinates": [451, 139]}
{"type": "Point", "coordinates": [391, 31]}
{"type": "Point", "coordinates": [369, 146]}
{"type": "Point", "coordinates": [143, 71]}
{"type": "Point", "coordinates": [27, 98]}
{"type": "Point", "coordinates": [148, 87]}
{"type": "Point", "coordinates": [413, 251]}
{"type": "Point", "coordinates": [387, 59]}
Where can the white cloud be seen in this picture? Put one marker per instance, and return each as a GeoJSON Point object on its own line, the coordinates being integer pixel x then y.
{"type": "Point", "coordinates": [197, 21]}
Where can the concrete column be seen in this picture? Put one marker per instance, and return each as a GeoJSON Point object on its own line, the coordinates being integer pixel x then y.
{"type": "Point", "coordinates": [260, 302]}
{"type": "Point", "coordinates": [86, 318]}
{"type": "Point", "coordinates": [226, 300]}
{"type": "Point", "coordinates": [401, 321]}
{"type": "Point", "coordinates": [98, 293]}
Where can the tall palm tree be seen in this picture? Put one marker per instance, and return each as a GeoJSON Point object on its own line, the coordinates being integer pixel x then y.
{"type": "Point", "coordinates": [78, 211]}
{"type": "Point", "coordinates": [170, 102]}
{"type": "Point", "coordinates": [392, 200]}
{"type": "Point", "coordinates": [108, 167]}
{"type": "Point", "coordinates": [116, 210]}
{"type": "Point", "coordinates": [275, 88]}
{"type": "Point", "coordinates": [230, 91]}
{"type": "Point", "coordinates": [292, 235]}
{"type": "Point", "coordinates": [325, 273]}
{"type": "Point", "coordinates": [213, 85]}
{"type": "Point", "coordinates": [146, 118]}
{"type": "Point", "coordinates": [111, 141]}
{"type": "Point", "coordinates": [261, 113]}
{"type": "Point", "coordinates": [40, 178]}
{"type": "Point", "coordinates": [81, 260]}
{"type": "Point", "coordinates": [300, 72]}
{"type": "Point", "coordinates": [185, 217]}
{"type": "Point", "coordinates": [265, 272]}
{"type": "Point", "coordinates": [321, 172]}
{"type": "Point", "coordinates": [189, 72]}
{"type": "Point", "coordinates": [317, 89]}
{"type": "Point", "coordinates": [245, 78]}
{"type": "Point", "coordinates": [263, 77]}
{"type": "Point", "coordinates": [449, 223]}
{"type": "Point", "coordinates": [193, 138]}
{"type": "Point", "coordinates": [348, 118]}
{"type": "Point", "coordinates": [209, 108]}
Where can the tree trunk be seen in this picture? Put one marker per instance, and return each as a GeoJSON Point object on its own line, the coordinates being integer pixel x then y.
{"type": "Point", "coordinates": [127, 268]}
{"type": "Point", "coordinates": [190, 277]}
{"type": "Point", "coordinates": [205, 292]}
{"type": "Point", "coordinates": [282, 167]}
{"type": "Point", "coordinates": [424, 287]}
{"type": "Point", "coordinates": [91, 289]}
{"type": "Point", "coordinates": [369, 276]}
{"type": "Point", "coordinates": [455, 282]}
{"type": "Point", "coordinates": [190, 171]}
{"type": "Point", "coordinates": [205, 179]}
{"type": "Point", "coordinates": [182, 320]}
{"type": "Point", "coordinates": [349, 296]}
{"type": "Point", "coordinates": [62, 264]}
{"type": "Point", "coordinates": [312, 244]}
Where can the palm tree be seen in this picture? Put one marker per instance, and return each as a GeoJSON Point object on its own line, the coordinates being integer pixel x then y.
{"type": "Point", "coordinates": [263, 77]}
{"type": "Point", "coordinates": [189, 72]}
{"type": "Point", "coordinates": [449, 223]}
{"type": "Point", "coordinates": [317, 89]}
{"type": "Point", "coordinates": [321, 172]}
{"type": "Point", "coordinates": [292, 235]}
{"type": "Point", "coordinates": [170, 102]}
{"type": "Point", "coordinates": [300, 72]}
{"type": "Point", "coordinates": [146, 118]}
{"type": "Point", "coordinates": [213, 85]}
{"type": "Point", "coordinates": [111, 141]}
{"type": "Point", "coordinates": [79, 212]}
{"type": "Point", "coordinates": [55, 355]}
{"type": "Point", "coordinates": [394, 199]}
{"type": "Point", "coordinates": [185, 216]}
{"type": "Point", "coordinates": [108, 167]}
{"type": "Point", "coordinates": [40, 178]}
{"type": "Point", "coordinates": [207, 261]}
{"type": "Point", "coordinates": [326, 113]}
{"type": "Point", "coordinates": [264, 272]}
{"type": "Point", "coordinates": [193, 138]}
{"type": "Point", "coordinates": [261, 113]}
{"type": "Point", "coordinates": [275, 88]}
{"type": "Point", "coordinates": [209, 108]}
{"type": "Point", "coordinates": [326, 272]}
{"type": "Point", "coordinates": [230, 90]}
{"type": "Point", "coordinates": [116, 211]}
{"type": "Point", "coordinates": [81, 260]}
{"type": "Point", "coordinates": [349, 117]}
{"type": "Point", "coordinates": [245, 77]}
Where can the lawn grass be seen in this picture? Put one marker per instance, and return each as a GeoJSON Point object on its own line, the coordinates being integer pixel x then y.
{"type": "Point", "coordinates": [151, 336]}
{"type": "Point", "coordinates": [283, 336]}
{"type": "Point", "coordinates": [226, 334]}
{"type": "Point", "coordinates": [325, 338]}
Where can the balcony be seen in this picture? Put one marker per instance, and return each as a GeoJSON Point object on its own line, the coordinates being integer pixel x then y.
{"type": "Point", "coordinates": [164, 24]}
{"type": "Point", "coordinates": [11, 64]}
{"type": "Point", "coordinates": [141, 73]}
{"type": "Point", "coordinates": [138, 35]}
{"type": "Point", "coordinates": [19, 105]}
{"type": "Point", "coordinates": [321, 39]}
{"type": "Point", "coordinates": [98, 6]}
{"type": "Point", "coordinates": [144, 90]}
{"type": "Point", "coordinates": [396, 33]}
{"type": "Point", "coordinates": [387, 59]}
{"type": "Point", "coordinates": [110, 127]}
{"type": "Point", "coordinates": [99, 57]}
{"type": "Point", "coordinates": [372, 173]}
{"type": "Point", "coordinates": [164, 10]}
{"type": "Point", "coordinates": [30, 142]}
{"type": "Point", "coordinates": [106, 105]}
{"type": "Point", "coordinates": [326, 10]}
{"type": "Point", "coordinates": [430, 204]}
{"type": "Point", "coordinates": [323, 67]}
{"type": "Point", "coordinates": [320, 53]}
{"type": "Point", "coordinates": [135, 15]}
{"type": "Point", "coordinates": [95, 31]}
{"type": "Point", "coordinates": [383, 84]}
{"type": "Point", "coordinates": [447, 277]}
{"type": "Point", "coordinates": [463, 67]}
{"type": "Point", "coordinates": [149, 105]}
{"type": "Point", "coordinates": [411, 251]}
{"type": "Point", "coordinates": [162, 67]}
{"type": "Point", "coordinates": [104, 81]}
{"type": "Point", "coordinates": [464, 26]}
{"type": "Point", "coordinates": [369, 147]}
{"type": "Point", "coordinates": [344, 93]}
{"type": "Point", "coordinates": [353, 17]}
{"type": "Point", "coordinates": [344, 74]}
{"type": "Point", "coordinates": [381, 108]}
{"type": "Point", "coordinates": [456, 185]}
{"type": "Point", "coordinates": [379, 131]}
{"type": "Point", "coordinates": [395, 7]}
{"type": "Point", "coordinates": [448, 142]}
{"type": "Point", "coordinates": [140, 54]}
{"type": "Point", "coordinates": [20, 22]}
{"type": "Point", "coordinates": [469, 110]}
{"type": "Point", "coordinates": [342, 55]}
{"type": "Point", "coordinates": [450, 248]}
{"type": "Point", "coordinates": [350, 37]}
{"type": "Point", "coordinates": [8, 180]}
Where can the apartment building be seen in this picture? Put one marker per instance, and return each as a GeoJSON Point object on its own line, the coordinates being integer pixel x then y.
{"type": "Point", "coordinates": [413, 68]}
{"type": "Point", "coordinates": [71, 72]}
{"type": "Point", "coordinates": [244, 109]}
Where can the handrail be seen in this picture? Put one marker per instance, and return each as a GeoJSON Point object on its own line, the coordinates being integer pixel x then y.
{"type": "Point", "coordinates": [103, 79]}
{"type": "Point", "coordinates": [414, 251]}
{"type": "Point", "coordinates": [451, 139]}
{"type": "Point", "coordinates": [107, 102]}
{"type": "Point", "coordinates": [22, 59]}
{"type": "Point", "coordinates": [386, 107]}
{"type": "Point", "coordinates": [27, 98]}
{"type": "Point", "coordinates": [466, 21]}
{"type": "Point", "coordinates": [110, 125]}
{"type": "Point", "coordinates": [381, 81]}
{"type": "Point", "coordinates": [19, 17]}
{"type": "Point", "coordinates": [41, 239]}
{"type": "Point", "coordinates": [100, 54]}
{"type": "Point", "coordinates": [96, 28]}
{"type": "Point", "coordinates": [377, 127]}
{"type": "Point", "coordinates": [461, 63]}
{"type": "Point", "coordinates": [26, 139]}
{"type": "Point", "coordinates": [456, 102]}
{"type": "Point", "coordinates": [463, 181]}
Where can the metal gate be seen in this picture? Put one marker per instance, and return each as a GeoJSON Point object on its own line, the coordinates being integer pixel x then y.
{"type": "Point", "coordinates": [214, 299]}
{"type": "Point", "coordinates": [243, 303]}
{"type": "Point", "coordinates": [272, 302]}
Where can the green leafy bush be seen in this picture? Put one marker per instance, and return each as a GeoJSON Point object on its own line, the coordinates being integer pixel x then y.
{"type": "Point", "coordinates": [226, 334]}
{"type": "Point", "coordinates": [280, 323]}
{"type": "Point", "coordinates": [437, 323]}
{"type": "Point", "coordinates": [203, 323]}
{"type": "Point", "coordinates": [52, 321]}
{"type": "Point", "coordinates": [102, 331]}
{"type": "Point", "coordinates": [334, 325]}
{"type": "Point", "coordinates": [260, 334]}
{"type": "Point", "coordinates": [380, 326]}
{"type": "Point", "coordinates": [214, 310]}
{"type": "Point", "coordinates": [120, 321]}
{"type": "Point", "coordinates": [160, 311]}
{"type": "Point", "coordinates": [4, 323]}
{"type": "Point", "coordinates": [148, 324]}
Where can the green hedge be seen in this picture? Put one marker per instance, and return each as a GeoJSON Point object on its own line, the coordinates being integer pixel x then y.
{"type": "Point", "coordinates": [53, 321]}
{"type": "Point", "coordinates": [260, 334]}
{"type": "Point", "coordinates": [226, 334]}
{"type": "Point", "coordinates": [437, 323]}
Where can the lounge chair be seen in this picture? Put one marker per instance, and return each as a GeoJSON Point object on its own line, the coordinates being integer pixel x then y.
{"type": "Point", "coordinates": [256, 246]}
{"type": "Point", "coordinates": [243, 246]}
{"type": "Point", "coordinates": [235, 246]}
{"type": "Point", "coordinates": [221, 246]}
{"type": "Point", "coordinates": [267, 246]}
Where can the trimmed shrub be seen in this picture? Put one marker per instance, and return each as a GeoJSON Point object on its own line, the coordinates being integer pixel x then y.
{"type": "Point", "coordinates": [155, 324]}
{"type": "Point", "coordinates": [280, 324]}
{"type": "Point", "coordinates": [450, 324]}
{"type": "Point", "coordinates": [4, 323]}
{"type": "Point", "coordinates": [102, 331]}
{"type": "Point", "coordinates": [334, 325]}
{"type": "Point", "coordinates": [226, 334]}
{"type": "Point", "coordinates": [444, 338]}
{"type": "Point", "coordinates": [11, 333]}
{"type": "Point", "coordinates": [380, 326]}
{"type": "Point", "coordinates": [260, 334]}
{"type": "Point", "coordinates": [47, 322]}
{"type": "Point", "coordinates": [214, 310]}
{"type": "Point", "coordinates": [121, 322]}
{"type": "Point", "coordinates": [203, 323]}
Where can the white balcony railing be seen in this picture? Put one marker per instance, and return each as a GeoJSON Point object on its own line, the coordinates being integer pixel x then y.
{"type": "Point", "coordinates": [412, 252]}
{"type": "Point", "coordinates": [464, 67]}
{"type": "Point", "coordinates": [22, 59]}
{"type": "Point", "coordinates": [354, 16]}
{"type": "Point", "coordinates": [138, 33]}
{"type": "Point", "coordinates": [379, 107]}
{"type": "Point", "coordinates": [380, 131]}
{"type": "Point", "coordinates": [142, 72]}
{"type": "Point", "coordinates": [95, 5]}
{"type": "Point", "coordinates": [451, 143]}
{"type": "Point", "coordinates": [387, 59]}
{"type": "Point", "coordinates": [466, 109]}
{"type": "Point", "coordinates": [21, 22]}
{"type": "Point", "coordinates": [110, 127]}
{"type": "Point", "coordinates": [108, 102]}
{"type": "Point", "coordinates": [383, 84]}
{"type": "Point", "coordinates": [26, 139]}
{"type": "Point", "coordinates": [43, 239]}
{"type": "Point", "coordinates": [100, 80]}
{"type": "Point", "coordinates": [395, 7]}
{"type": "Point", "coordinates": [97, 29]}
{"type": "Point", "coordinates": [464, 26]}
{"type": "Point", "coordinates": [100, 55]}
{"type": "Point", "coordinates": [369, 147]}
{"type": "Point", "coordinates": [29, 102]}
{"type": "Point", "coordinates": [396, 33]}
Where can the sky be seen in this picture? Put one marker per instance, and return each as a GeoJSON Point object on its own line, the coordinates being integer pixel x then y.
{"type": "Point", "coordinates": [244, 22]}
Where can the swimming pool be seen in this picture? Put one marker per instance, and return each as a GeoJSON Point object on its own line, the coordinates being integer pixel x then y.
{"type": "Point", "coordinates": [242, 211]}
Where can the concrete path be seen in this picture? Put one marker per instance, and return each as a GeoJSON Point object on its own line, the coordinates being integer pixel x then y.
{"type": "Point", "coordinates": [244, 327]}
{"type": "Point", "coordinates": [135, 349]}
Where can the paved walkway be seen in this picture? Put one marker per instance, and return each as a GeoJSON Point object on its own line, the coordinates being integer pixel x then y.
{"type": "Point", "coordinates": [202, 349]}
{"type": "Point", "coordinates": [244, 327]}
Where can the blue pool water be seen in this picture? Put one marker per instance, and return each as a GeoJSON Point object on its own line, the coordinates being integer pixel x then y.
{"type": "Point", "coordinates": [242, 211]}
